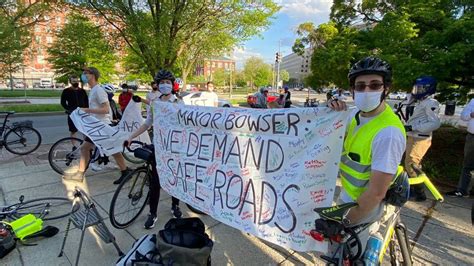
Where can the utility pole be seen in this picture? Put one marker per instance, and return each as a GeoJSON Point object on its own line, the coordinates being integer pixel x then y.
{"type": "Point", "coordinates": [278, 63]}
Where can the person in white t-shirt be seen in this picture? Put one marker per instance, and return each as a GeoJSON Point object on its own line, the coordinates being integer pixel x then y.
{"type": "Point", "coordinates": [99, 107]}
{"type": "Point", "coordinates": [211, 96]}
{"type": "Point", "coordinates": [373, 147]}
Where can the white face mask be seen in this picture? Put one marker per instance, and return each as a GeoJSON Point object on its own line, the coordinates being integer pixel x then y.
{"type": "Point", "coordinates": [367, 101]}
{"type": "Point", "coordinates": [165, 88]}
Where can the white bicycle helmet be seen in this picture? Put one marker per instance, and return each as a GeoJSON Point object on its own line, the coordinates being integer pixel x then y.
{"type": "Point", "coordinates": [109, 88]}
{"type": "Point", "coordinates": [180, 82]}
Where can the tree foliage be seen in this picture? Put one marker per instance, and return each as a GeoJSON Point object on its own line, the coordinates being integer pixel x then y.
{"type": "Point", "coordinates": [257, 72]}
{"type": "Point", "coordinates": [174, 34]}
{"type": "Point", "coordinates": [416, 37]}
{"type": "Point", "coordinates": [78, 44]}
{"type": "Point", "coordinates": [284, 75]}
{"type": "Point", "coordinates": [16, 21]}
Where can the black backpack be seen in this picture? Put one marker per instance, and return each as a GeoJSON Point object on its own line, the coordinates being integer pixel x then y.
{"type": "Point", "coordinates": [184, 242]}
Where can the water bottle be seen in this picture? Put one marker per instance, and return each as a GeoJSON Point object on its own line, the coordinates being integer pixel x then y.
{"type": "Point", "coordinates": [373, 249]}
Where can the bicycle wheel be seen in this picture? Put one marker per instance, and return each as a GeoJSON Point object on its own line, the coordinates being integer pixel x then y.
{"type": "Point", "coordinates": [50, 208]}
{"type": "Point", "coordinates": [22, 140]}
{"type": "Point", "coordinates": [65, 154]}
{"type": "Point", "coordinates": [400, 250]}
{"type": "Point", "coordinates": [130, 198]}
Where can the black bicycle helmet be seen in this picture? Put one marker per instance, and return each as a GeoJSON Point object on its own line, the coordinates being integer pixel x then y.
{"type": "Point", "coordinates": [164, 74]}
{"type": "Point", "coordinates": [371, 65]}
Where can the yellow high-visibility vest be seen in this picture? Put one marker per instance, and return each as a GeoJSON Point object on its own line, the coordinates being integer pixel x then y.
{"type": "Point", "coordinates": [355, 172]}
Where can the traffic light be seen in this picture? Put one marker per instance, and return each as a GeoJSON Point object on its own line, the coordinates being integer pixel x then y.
{"type": "Point", "coordinates": [278, 57]}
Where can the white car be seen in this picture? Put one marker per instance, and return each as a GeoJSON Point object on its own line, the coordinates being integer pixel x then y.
{"type": "Point", "coordinates": [197, 98]}
{"type": "Point", "coordinates": [397, 95]}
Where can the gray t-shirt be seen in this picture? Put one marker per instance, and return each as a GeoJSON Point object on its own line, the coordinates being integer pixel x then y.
{"type": "Point", "coordinates": [97, 97]}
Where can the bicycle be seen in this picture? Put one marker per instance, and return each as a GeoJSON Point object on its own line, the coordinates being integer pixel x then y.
{"type": "Point", "coordinates": [65, 155]}
{"type": "Point", "coordinates": [395, 237]}
{"type": "Point", "coordinates": [311, 102]}
{"type": "Point", "coordinates": [48, 208]}
{"type": "Point", "coordinates": [20, 138]}
{"type": "Point", "coordinates": [132, 195]}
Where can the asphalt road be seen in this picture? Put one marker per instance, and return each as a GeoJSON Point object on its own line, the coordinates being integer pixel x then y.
{"type": "Point", "coordinates": [52, 128]}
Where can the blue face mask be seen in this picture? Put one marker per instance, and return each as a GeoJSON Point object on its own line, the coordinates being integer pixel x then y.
{"type": "Point", "coordinates": [84, 78]}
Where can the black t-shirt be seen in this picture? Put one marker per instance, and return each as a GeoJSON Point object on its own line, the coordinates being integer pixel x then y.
{"type": "Point", "coordinates": [72, 98]}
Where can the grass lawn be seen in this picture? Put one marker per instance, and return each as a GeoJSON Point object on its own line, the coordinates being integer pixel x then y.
{"type": "Point", "coordinates": [31, 108]}
{"type": "Point", "coordinates": [31, 93]}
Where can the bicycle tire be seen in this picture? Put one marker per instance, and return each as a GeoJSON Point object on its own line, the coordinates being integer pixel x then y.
{"type": "Point", "coordinates": [137, 200]}
{"type": "Point", "coordinates": [131, 158]}
{"type": "Point", "coordinates": [191, 208]}
{"type": "Point", "coordinates": [37, 207]}
{"type": "Point", "coordinates": [403, 245]}
{"type": "Point", "coordinates": [60, 156]}
{"type": "Point", "coordinates": [19, 132]}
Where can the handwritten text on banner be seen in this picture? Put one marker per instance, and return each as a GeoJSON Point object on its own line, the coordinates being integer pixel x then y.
{"type": "Point", "coordinates": [260, 171]}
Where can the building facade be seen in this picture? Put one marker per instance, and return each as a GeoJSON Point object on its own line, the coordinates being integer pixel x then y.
{"type": "Point", "coordinates": [209, 66]}
{"type": "Point", "coordinates": [297, 66]}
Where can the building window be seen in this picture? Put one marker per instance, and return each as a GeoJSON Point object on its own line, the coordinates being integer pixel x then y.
{"type": "Point", "coordinates": [306, 61]}
{"type": "Point", "coordinates": [213, 64]}
{"type": "Point", "coordinates": [58, 20]}
{"type": "Point", "coordinates": [49, 39]}
{"type": "Point", "coordinates": [306, 65]}
{"type": "Point", "coordinates": [37, 28]}
{"type": "Point", "coordinates": [219, 65]}
{"type": "Point", "coordinates": [38, 39]}
{"type": "Point", "coordinates": [306, 70]}
{"type": "Point", "coordinates": [302, 70]}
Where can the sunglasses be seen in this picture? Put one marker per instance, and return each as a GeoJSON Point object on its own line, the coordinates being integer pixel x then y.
{"type": "Point", "coordinates": [375, 86]}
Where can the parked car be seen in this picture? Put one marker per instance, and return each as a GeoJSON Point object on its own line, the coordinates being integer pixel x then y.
{"type": "Point", "coordinates": [271, 97]}
{"type": "Point", "coordinates": [198, 98]}
{"type": "Point", "coordinates": [397, 95]}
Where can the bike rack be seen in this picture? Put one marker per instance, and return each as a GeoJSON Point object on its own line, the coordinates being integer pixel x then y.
{"type": "Point", "coordinates": [87, 217]}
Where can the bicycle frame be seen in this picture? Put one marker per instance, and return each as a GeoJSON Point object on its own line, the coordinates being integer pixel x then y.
{"type": "Point", "coordinates": [4, 128]}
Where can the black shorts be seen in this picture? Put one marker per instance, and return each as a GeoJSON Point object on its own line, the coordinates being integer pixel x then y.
{"type": "Point", "coordinates": [72, 127]}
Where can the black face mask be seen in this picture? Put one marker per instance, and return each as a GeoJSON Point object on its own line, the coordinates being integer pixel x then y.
{"type": "Point", "coordinates": [75, 85]}
{"type": "Point", "coordinates": [154, 88]}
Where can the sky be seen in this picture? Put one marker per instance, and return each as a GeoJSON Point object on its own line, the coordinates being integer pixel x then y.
{"type": "Point", "coordinates": [285, 22]}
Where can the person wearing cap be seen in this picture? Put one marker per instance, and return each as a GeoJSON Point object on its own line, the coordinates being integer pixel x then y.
{"type": "Point", "coordinates": [99, 107]}
{"type": "Point", "coordinates": [420, 126]}
{"type": "Point", "coordinates": [262, 98]}
{"type": "Point", "coordinates": [125, 97]}
{"type": "Point", "coordinates": [71, 98]}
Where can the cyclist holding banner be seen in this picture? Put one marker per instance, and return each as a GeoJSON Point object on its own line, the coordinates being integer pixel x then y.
{"type": "Point", "coordinates": [373, 147]}
{"type": "Point", "coordinates": [165, 81]}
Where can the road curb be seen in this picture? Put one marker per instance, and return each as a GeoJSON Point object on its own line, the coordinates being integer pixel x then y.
{"type": "Point", "coordinates": [36, 114]}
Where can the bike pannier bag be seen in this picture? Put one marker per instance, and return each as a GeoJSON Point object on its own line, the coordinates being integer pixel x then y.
{"type": "Point", "coordinates": [143, 252]}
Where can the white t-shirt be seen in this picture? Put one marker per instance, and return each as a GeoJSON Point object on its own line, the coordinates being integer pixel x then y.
{"type": "Point", "coordinates": [149, 114]}
{"type": "Point", "coordinates": [151, 96]}
{"type": "Point", "coordinates": [387, 150]}
{"type": "Point", "coordinates": [97, 97]}
{"type": "Point", "coordinates": [211, 98]}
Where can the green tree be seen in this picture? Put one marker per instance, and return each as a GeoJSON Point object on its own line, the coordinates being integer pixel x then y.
{"type": "Point", "coordinates": [78, 44]}
{"type": "Point", "coordinates": [162, 32]}
{"type": "Point", "coordinates": [257, 72]}
{"type": "Point", "coordinates": [416, 37]}
{"type": "Point", "coordinates": [284, 75]}
{"type": "Point", "coordinates": [16, 20]}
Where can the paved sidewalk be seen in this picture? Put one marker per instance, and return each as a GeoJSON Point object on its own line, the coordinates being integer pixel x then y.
{"type": "Point", "coordinates": [444, 234]}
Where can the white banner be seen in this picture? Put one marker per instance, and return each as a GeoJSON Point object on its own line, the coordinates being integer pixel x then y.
{"type": "Point", "coordinates": [107, 138]}
{"type": "Point", "coordinates": [260, 171]}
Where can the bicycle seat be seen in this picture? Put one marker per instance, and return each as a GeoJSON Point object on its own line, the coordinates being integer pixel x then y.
{"type": "Point", "coordinates": [335, 213]}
